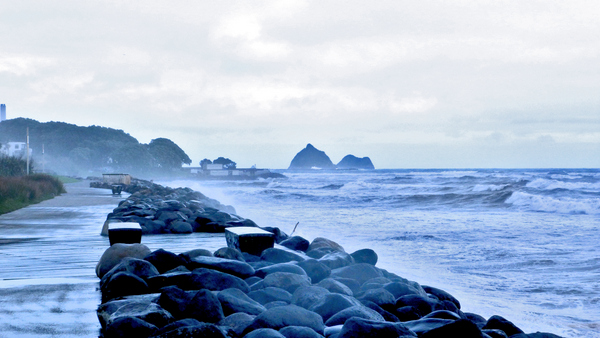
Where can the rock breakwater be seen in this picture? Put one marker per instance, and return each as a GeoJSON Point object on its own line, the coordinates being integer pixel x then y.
{"type": "Point", "coordinates": [299, 288]}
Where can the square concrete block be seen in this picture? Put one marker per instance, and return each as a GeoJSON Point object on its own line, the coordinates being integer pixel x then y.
{"type": "Point", "coordinates": [125, 232]}
{"type": "Point", "coordinates": [249, 239]}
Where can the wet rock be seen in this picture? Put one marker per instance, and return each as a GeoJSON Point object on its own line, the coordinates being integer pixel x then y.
{"type": "Point", "coordinates": [164, 260]}
{"type": "Point", "coordinates": [180, 323]}
{"type": "Point", "coordinates": [238, 322]}
{"type": "Point", "coordinates": [275, 304]}
{"type": "Point", "coordinates": [500, 323]}
{"type": "Point", "coordinates": [288, 315]}
{"type": "Point", "coordinates": [114, 254]}
{"type": "Point", "coordinates": [296, 243]}
{"type": "Point", "coordinates": [477, 319]}
{"type": "Point", "coordinates": [280, 267]}
{"type": "Point", "coordinates": [441, 295]}
{"type": "Point", "coordinates": [215, 281]}
{"type": "Point", "coordinates": [381, 297]}
{"type": "Point", "coordinates": [360, 272]}
{"type": "Point", "coordinates": [399, 289]}
{"type": "Point", "coordinates": [205, 307]}
{"type": "Point", "coordinates": [500, 334]}
{"type": "Point", "coordinates": [443, 314]}
{"type": "Point", "coordinates": [280, 236]}
{"type": "Point", "coordinates": [352, 284]}
{"type": "Point", "coordinates": [407, 313]}
{"type": "Point", "coordinates": [354, 311]}
{"type": "Point", "coordinates": [206, 330]}
{"type": "Point", "coordinates": [535, 335]}
{"type": "Point", "coordinates": [230, 253]}
{"type": "Point", "coordinates": [420, 326]}
{"type": "Point", "coordinates": [233, 300]}
{"type": "Point", "coordinates": [365, 256]}
{"type": "Point", "coordinates": [321, 242]}
{"type": "Point", "coordinates": [129, 327]}
{"type": "Point", "coordinates": [387, 316]}
{"type": "Point", "coordinates": [264, 333]}
{"type": "Point", "coordinates": [425, 305]}
{"type": "Point", "coordinates": [188, 255]}
{"type": "Point", "coordinates": [229, 266]}
{"type": "Point", "coordinates": [335, 286]}
{"type": "Point", "coordinates": [459, 328]}
{"type": "Point", "coordinates": [181, 278]}
{"type": "Point", "coordinates": [179, 227]}
{"type": "Point", "coordinates": [122, 284]}
{"type": "Point", "coordinates": [320, 252]}
{"type": "Point", "coordinates": [360, 328]}
{"type": "Point", "coordinates": [252, 280]}
{"type": "Point", "coordinates": [306, 296]}
{"type": "Point", "coordinates": [332, 303]}
{"type": "Point", "coordinates": [285, 280]}
{"type": "Point", "coordinates": [139, 267]}
{"type": "Point", "coordinates": [271, 294]}
{"type": "Point", "coordinates": [149, 312]}
{"type": "Point", "coordinates": [299, 332]}
{"type": "Point", "coordinates": [316, 270]}
{"type": "Point", "coordinates": [336, 259]}
{"type": "Point", "coordinates": [175, 300]}
{"type": "Point", "coordinates": [276, 255]}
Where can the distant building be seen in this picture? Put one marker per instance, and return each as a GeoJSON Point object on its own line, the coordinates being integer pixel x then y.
{"type": "Point", "coordinates": [16, 149]}
{"type": "Point", "coordinates": [2, 112]}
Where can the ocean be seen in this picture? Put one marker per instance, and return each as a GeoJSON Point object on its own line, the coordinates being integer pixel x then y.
{"type": "Point", "coordinates": [522, 244]}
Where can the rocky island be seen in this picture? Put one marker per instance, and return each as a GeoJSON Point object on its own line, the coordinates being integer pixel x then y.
{"type": "Point", "coordinates": [298, 288]}
{"type": "Point", "coordinates": [313, 158]}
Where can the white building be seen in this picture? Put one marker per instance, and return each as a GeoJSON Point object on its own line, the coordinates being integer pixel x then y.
{"type": "Point", "coordinates": [16, 149]}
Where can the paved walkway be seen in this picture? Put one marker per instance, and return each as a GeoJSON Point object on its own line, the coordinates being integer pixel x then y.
{"type": "Point", "coordinates": [48, 254]}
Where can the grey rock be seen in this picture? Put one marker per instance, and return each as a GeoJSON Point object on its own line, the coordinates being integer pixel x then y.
{"type": "Point", "coordinates": [354, 311]}
{"type": "Point", "coordinates": [230, 266]}
{"type": "Point", "coordinates": [332, 303]}
{"type": "Point", "coordinates": [360, 272]}
{"type": "Point", "coordinates": [288, 315]}
{"type": "Point", "coordinates": [233, 300]}
{"type": "Point", "coordinates": [365, 256]}
{"type": "Point", "coordinates": [306, 296]}
{"type": "Point", "coordinates": [270, 294]}
{"type": "Point", "coordinates": [285, 280]}
{"type": "Point", "coordinates": [114, 254]}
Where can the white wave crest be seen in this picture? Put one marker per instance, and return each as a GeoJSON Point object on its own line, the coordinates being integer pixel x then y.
{"type": "Point", "coordinates": [562, 205]}
{"type": "Point", "coordinates": [488, 187]}
{"type": "Point", "coordinates": [545, 184]}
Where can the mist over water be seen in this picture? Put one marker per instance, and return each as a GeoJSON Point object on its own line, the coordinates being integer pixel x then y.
{"type": "Point", "coordinates": [522, 244]}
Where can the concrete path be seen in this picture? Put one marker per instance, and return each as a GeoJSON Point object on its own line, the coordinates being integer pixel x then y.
{"type": "Point", "coordinates": [48, 254]}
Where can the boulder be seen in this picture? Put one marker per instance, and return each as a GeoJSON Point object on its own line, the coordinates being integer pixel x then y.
{"type": "Point", "coordinates": [360, 328]}
{"type": "Point", "coordinates": [175, 300]}
{"type": "Point", "coordinates": [229, 266]}
{"type": "Point", "coordinates": [381, 297]}
{"type": "Point", "coordinates": [296, 243]}
{"type": "Point", "coordinates": [534, 335]}
{"type": "Point", "coordinates": [320, 242]}
{"type": "Point", "coordinates": [441, 295]}
{"type": "Point", "coordinates": [271, 294]}
{"type": "Point", "coordinates": [215, 281]}
{"type": "Point", "coordinates": [365, 256]}
{"type": "Point", "coordinates": [280, 267]}
{"type": "Point", "coordinates": [500, 323]}
{"type": "Point", "coordinates": [179, 227]}
{"type": "Point", "coordinates": [443, 314]}
{"type": "Point", "coordinates": [238, 322]}
{"type": "Point", "coordinates": [276, 255]}
{"type": "Point", "coordinates": [335, 286]}
{"type": "Point", "coordinates": [425, 305]}
{"type": "Point", "coordinates": [147, 311]}
{"type": "Point", "coordinates": [399, 289]}
{"type": "Point", "coordinates": [205, 307]}
{"type": "Point", "coordinates": [230, 253]}
{"type": "Point", "coordinates": [164, 260]}
{"type": "Point", "coordinates": [336, 259]}
{"type": "Point", "coordinates": [129, 327]}
{"type": "Point", "coordinates": [407, 313]}
{"type": "Point", "coordinates": [316, 270]}
{"type": "Point", "coordinates": [233, 300]}
{"type": "Point", "coordinates": [387, 316]}
{"type": "Point", "coordinates": [173, 277]}
{"type": "Point", "coordinates": [299, 332]}
{"type": "Point", "coordinates": [123, 284]}
{"type": "Point", "coordinates": [306, 296]}
{"type": "Point", "coordinates": [286, 280]}
{"type": "Point", "coordinates": [188, 255]}
{"type": "Point", "coordinates": [114, 254]}
{"type": "Point", "coordinates": [360, 272]}
{"type": "Point", "coordinates": [332, 303]}
{"type": "Point", "coordinates": [352, 284]}
{"type": "Point", "coordinates": [139, 267]}
{"type": "Point", "coordinates": [180, 323]}
{"type": "Point", "coordinates": [288, 315]}
{"type": "Point", "coordinates": [354, 311]}
{"type": "Point", "coordinates": [275, 304]}
{"type": "Point", "coordinates": [310, 157]}
{"type": "Point", "coordinates": [420, 326]}
{"type": "Point", "coordinates": [206, 330]}
{"type": "Point", "coordinates": [264, 333]}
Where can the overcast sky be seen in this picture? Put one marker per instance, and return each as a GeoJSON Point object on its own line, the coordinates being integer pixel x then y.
{"type": "Point", "coordinates": [417, 84]}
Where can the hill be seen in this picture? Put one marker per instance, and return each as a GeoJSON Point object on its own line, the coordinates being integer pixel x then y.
{"type": "Point", "coordinates": [75, 150]}
{"type": "Point", "coordinates": [311, 157]}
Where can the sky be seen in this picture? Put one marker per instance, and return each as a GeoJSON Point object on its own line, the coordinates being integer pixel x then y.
{"type": "Point", "coordinates": [411, 84]}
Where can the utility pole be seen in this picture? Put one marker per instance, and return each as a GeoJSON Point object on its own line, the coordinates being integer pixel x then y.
{"type": "Point", "coordinates": [43, 160]}
{"type": "Point", "coordinates": [27, 150]}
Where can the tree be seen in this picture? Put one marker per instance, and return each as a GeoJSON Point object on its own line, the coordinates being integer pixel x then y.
{"type": "Point", "coordinates": [132, 157]}
{"type": "Point", "coordinates": [227, 163]}
{"type": "Point", "coordinates": [205, 162]}
{"type": "Point", "coordinates": [167, 155]}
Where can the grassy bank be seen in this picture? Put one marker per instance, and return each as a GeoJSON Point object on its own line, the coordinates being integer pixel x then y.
{"type": "Point", "coordinates": [21, 191]}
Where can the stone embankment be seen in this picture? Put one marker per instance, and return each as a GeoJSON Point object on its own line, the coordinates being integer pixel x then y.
{"type": "Point", "coordinates": [296, 289]}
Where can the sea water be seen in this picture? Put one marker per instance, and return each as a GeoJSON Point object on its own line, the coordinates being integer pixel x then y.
{"type": "Point", "coordinates": [522, 244]}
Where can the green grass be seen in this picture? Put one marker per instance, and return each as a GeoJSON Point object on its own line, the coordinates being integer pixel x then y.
{"type": "Point", "coordinates": [67, 179]}
{"type": "Point", "coordinates": [21, 191]}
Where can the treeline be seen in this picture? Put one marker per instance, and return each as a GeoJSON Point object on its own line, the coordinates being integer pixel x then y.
{"type": "Point", "coordinates": [74, 150]}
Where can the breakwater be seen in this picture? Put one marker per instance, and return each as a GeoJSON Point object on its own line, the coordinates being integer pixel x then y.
{"type": "Point", "coordinates": [297, 289]}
